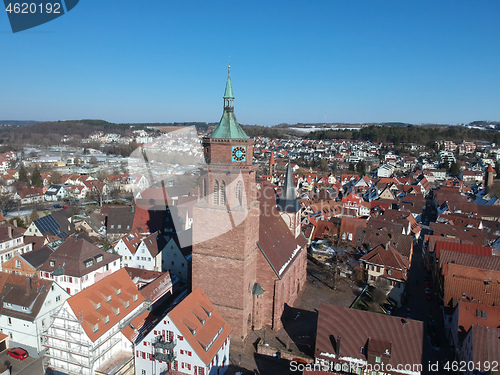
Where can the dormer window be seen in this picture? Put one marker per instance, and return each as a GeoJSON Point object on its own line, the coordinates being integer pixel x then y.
{"type": "Point", "coordinates": [135, 297]}
{"type": "Point", "coordinates": [108, 298]}
{"type": "Point", "coordinates": [117, 311]}
{"type": "Point", "coordinates": [52, 263]}
{"type": "Point", "coordinates": [18, 263]}
{"type": "Point", "coordinates": [98, 258]}
{"type": "Point", "coordinates": [96, 328]}
{"type": "Point", "coordinates": [118, 292]}
{"type": "Point", "coordinates": [98, 305]}
{"type": "Point", "coordinates": [106, 319]}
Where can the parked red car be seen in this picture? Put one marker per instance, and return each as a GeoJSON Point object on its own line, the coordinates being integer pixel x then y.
{"type": "Point", "coordinates": [18, 353]}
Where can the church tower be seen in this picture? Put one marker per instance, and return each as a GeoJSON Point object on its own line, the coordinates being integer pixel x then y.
{"type": "Point", "coordinates": [226, 221]}
{"type": "Point", "coordinates": [288, 205]}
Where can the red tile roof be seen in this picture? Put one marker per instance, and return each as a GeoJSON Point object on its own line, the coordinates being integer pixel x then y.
{"type": "Point", "coordinates": [200, 323]}
{"type": "Point", "coordinates": [462, 248]}
{"type": "Point", "coordinates": [86, 303]}
{"type": "Point", "coordinates": [470, 284]}
{"type": "Point", "coordinates": [362, 329]}
{"type": "Point", "coordinates": [471, 313]}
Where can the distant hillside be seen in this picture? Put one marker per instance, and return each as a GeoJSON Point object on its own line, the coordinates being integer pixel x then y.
{"type": "Point", "coordinates": [15, 123]}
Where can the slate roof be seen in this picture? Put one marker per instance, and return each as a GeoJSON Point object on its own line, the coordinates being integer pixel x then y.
{"type": "Point", "coordinates": [188, 316]}
{"type": "Point", "coordinates": [362, 329]}
{"type": "Point", "coordinates": [119, 288]}
{"type": "Point", "coordinates": [276, 242]}
{"type": "Point", "coordinates": [37, 257]}
{"type": "Point", "coordinates": [120, 219]}
{"type": "Point", "coordinates": [73, 254]}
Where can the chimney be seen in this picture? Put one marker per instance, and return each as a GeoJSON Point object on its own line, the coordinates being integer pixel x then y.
{"type": "Point", "coordinates": [9, 229]}
{"type": "Point", "coordinates": [15, 222]}
{"type": "Point", "coordinates": [337, 346]}
{"type": "Point", "coordinates": [387, 245]}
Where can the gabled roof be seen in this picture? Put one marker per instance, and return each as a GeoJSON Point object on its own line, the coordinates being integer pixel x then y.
{"type": "Point", "coordinates": [200, 324]}
{"type": "Point", "coordinates": [470, 260]}
{"type": "Point", "coordinates": [56, 224]}
{"type": "Point", "coordinates": [23, 291]}
{"type": "Point", "coordinates": [37, 257]}
{"type": "Point", "coordinates": [103, 299]}
{"type": "Point", "coordinates": [462, 248]}
{"type": "Point", "coordinates": [369, 238]}
{"type": "Point", "coordinates": [388, 257]}
{"type": "Point", "coordinates": [359, 329]}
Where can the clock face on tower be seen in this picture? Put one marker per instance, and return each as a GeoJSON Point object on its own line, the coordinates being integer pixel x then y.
{"type": "Point", "coordinates": [239, 153]}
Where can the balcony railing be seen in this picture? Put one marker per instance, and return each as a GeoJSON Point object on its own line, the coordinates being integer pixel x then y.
{"type": "Point", "coordinates": [165, 357]}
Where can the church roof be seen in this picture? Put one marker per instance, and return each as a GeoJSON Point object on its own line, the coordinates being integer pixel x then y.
{"type": "Point", "coordinates": [228, 93]}
{"type": "Point", "coordinates": [228, 127]}
{"type": "Point", "coordinates": [276, 242]}
{"type": "Point", "coordinates": [289, 201]}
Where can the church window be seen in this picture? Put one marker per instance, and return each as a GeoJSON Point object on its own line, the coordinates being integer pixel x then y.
{"type": "Point", "coordinates": [223, 193]}
{"type": "Point", "coordinates": [216, 192]}
{"type": "Point", "coordinates": [239, 193]}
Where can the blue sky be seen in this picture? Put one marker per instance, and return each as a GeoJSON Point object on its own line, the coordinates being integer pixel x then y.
{"type": "Point", "coordinates": [292, 61]}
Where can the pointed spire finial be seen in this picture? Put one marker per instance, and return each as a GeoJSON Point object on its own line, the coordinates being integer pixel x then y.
{"type": "Point", "coordinates": [229, 67]}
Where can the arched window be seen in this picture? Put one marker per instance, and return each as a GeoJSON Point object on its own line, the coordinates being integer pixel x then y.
{"type": "Point", "coordinates": [216, 192]}
{"type": "Point", "coordinates": [223, 193]}
{"type": "Point", "coordinates": [239, 193]}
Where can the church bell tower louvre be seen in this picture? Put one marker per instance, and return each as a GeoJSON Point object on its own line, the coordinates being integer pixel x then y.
{"type": "Point", "coordinates": [226, 221]}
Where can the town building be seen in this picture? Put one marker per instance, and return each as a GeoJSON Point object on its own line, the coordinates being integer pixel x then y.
{"type": "Point", "coordinates": [25, 312]}
{"type": "Point", "coordinates": [77, 264]}
{"type": "Point", "coordinates": [89, 333]}
{"type": "Point", "coordinates": [12, 242]}
{"type": "Point", "coordinates": [360, 342]}
{"type": "Point", "coordinates": [192, 338]}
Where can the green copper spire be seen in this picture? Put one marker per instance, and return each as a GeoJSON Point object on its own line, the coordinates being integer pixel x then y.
{"type": "Point", "coordinates": [228, 94]}
{"type": "Point", "coordinates": [228, 125]}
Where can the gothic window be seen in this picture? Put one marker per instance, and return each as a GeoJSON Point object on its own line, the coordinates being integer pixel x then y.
{"type": "Point", "coordinates": [239, 193]}
{"type": "Point", "coordinates": [216, 192]}
{"type": "Point", "coordinates": [223, 193]}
